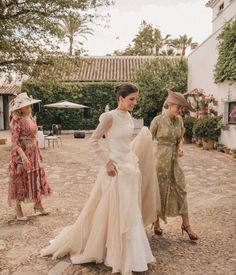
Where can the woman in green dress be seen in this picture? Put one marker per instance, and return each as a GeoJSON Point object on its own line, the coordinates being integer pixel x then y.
{"type": "Point", "coordinates": [168, 130]}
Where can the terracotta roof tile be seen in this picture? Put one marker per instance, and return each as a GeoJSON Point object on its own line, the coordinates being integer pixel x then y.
{"type": "Point", "coordinates": [101, 68]}
{"type": "Point", "coordinates": [9, 90]}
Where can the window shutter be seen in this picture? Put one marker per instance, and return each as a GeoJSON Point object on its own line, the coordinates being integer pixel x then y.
{"type": "Point", "coordinates": [226, 113]}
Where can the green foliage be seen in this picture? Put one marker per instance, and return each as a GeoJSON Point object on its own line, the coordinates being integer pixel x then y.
{"type": "Point", "coordinates": [30, 30]}
{"type": "Point", "coordinates": [189, 123]}
{"type": "Point", "coordinates": [154, 79]}
{"type": "Point", "coordinates": [146, 42]}
{"type": "Point", "coordinates": [207, 128]}
{"type": "Point", "coordinates": [94, 95]}
{"type": "Point", "coordinates": [74, 28]}
{"type": "Point", "coordinates": [182, 43]}
{"type": "Point", "coordinates": [225, 68]}
{"type": "Point", "coordinates": [149, 41]}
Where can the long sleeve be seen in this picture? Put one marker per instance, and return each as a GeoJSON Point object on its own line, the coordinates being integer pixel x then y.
{"type": "Point", "coordinates": [104, 125]}
{"type": "Point", "coordinates": [181, 132]}
{"type": "Point", "coordinates": [182, 128]}
{"type": "Point", "coordinates": [154, 127]}
{"type": "Point", "coordinates": [15, 133]}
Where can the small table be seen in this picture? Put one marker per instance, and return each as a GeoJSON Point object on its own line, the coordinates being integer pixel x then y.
{"type": "Point", "coordinates": [53, 140]}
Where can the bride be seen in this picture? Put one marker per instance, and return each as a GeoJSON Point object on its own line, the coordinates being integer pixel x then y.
{"type": "Point", "coordinates": [110, 228]}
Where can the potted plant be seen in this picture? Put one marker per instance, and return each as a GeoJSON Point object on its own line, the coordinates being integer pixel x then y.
{"type": "Point", "coordinates": [207, 128]}
{"type": "Point", "coordinates": [199, 142]}
{"type": "Point", "coordinates": [233, 153]}
{"type": "Point", "coordinates": [3, 141]}
{"type": "Point", "coordinates": [220, 147]}
{"type": "Point", "coordinates": [188, 125]}
{"type": "Point", "coordinates": [226, 150]}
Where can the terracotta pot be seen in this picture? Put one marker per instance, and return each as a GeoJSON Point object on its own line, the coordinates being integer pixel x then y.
{"type": "Point", "coordinates": [227, 150]}
{"type": "Point", "coordinates": [3, 141]}
{"type": "Point", "coordinates": [208, 144]}
{"type": "Point", "coordinates": [199, 142]}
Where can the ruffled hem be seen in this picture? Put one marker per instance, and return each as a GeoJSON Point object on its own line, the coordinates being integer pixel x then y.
{"type": "Point", "coordinates": [28, 187]}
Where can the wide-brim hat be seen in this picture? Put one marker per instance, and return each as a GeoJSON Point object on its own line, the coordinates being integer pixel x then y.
{"type": "Point", "coordinates": [20, 101]}
{"type": "Point", "coordinates": [178, 99]}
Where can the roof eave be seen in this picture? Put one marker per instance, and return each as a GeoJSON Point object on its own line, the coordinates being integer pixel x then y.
{"type": "Point", "coordinates": [211, 3]}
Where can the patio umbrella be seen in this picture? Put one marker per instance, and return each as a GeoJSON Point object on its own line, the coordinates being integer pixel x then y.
{"type": "Point", "coordinates": [65, 105]}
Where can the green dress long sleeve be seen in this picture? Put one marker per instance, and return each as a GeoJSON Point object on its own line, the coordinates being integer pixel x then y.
{"type": "Point", "coordinates": [168, 134]}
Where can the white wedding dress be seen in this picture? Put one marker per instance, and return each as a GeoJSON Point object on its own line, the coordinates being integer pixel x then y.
{"type": "Point", "coordinates": [110, 227]}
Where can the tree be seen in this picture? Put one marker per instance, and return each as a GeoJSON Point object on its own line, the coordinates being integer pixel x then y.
{"type": "Point", "coordinates": [225, 68]}
{"type": "Point", "coordinates": [30, 30]}
{"type": "Point", "coordinates": [182, 43]}
{"type": "Point", "coordinates": [154, 79]}
{"type": "Point", "coordinates": [148, 41]}
{"type": "Point", "coordinates": [75, 27]}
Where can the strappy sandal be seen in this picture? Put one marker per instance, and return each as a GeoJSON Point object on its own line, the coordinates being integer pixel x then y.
{"type": "Point", "coordinates": [192, 236]}
{"type": "Point", "coordinates": [41, 211]}
{"type": "Point", "coordinates": [157, 230]}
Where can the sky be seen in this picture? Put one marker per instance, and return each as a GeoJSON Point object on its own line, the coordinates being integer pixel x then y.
{"type": "Point", "coordinates": [175, 17]}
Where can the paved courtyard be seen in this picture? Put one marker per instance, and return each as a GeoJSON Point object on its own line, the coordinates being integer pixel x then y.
{"type": "Point", "coordinates": [71, 171]}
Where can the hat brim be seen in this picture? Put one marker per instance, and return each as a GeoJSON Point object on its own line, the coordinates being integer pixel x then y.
{"type": "Point", "coordinates": [179, 100]}
{"type": "Point", "coordinates": [33, 101]}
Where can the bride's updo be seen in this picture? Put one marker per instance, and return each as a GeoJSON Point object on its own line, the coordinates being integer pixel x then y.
{"type": "Point", "coordinates": [125, 89]}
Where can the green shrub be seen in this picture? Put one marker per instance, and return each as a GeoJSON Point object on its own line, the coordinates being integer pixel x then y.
{"type": "Point", "coordinates": [207, 128]}
{"type": "Point", "coordinates": [94, 95]}
{"type": "Point", "coordinates": [154, 79]}
{"type": "Point", "coordinates": [188, 125]}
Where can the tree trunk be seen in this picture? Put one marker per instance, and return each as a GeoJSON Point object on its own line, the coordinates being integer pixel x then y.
{"type": "Point", "coordinates": [71, 45]}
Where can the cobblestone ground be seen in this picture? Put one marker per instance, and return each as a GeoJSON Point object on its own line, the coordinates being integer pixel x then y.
{"type": "Point", "coordinates": [72, 169]}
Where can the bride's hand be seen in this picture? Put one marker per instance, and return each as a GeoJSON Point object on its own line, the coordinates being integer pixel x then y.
{"type": "Point", "coordinates": [180, 152]}
{"type": "Point", "coordinates": [111, 169]}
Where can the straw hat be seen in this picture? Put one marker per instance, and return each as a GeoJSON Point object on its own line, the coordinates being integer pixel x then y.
{"type": "Point", "coordinates": [178, 99]}
{"type": "Point", "coordinates": [20, 101]}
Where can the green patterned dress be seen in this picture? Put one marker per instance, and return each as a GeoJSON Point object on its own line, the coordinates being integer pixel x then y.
{"type": "Point", "coordinates": [168, 134]}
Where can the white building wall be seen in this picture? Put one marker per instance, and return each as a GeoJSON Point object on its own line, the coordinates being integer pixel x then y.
{"type": "Point", "coordinates": [201, 64]}
{"type": "Point", "coordinates": [220, 17]}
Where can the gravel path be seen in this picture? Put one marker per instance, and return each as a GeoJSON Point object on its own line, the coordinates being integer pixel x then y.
{"type": "Point", "coordinates": [72, 169]}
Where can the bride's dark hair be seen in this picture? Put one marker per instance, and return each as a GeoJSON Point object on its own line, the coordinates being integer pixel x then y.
{"type": "Point", "coordinates": [125, 89]}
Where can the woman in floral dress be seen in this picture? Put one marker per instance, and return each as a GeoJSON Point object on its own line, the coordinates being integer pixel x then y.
{"type": "Point", "coordinates": [168, 130]}
{"type": "Point", "coordinates": [27, 176]}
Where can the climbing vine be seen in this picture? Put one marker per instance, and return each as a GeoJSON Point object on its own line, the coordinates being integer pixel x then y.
{"type": "Point", "coordinates": [225, 68]}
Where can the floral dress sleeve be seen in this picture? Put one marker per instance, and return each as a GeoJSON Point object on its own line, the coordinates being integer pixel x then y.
{"type": "Point", "coordinates": [104, 125]}
{"type": "Point", "coordinates": [36, 133]}
{"type": "Point", "coordinates": [15, 134]}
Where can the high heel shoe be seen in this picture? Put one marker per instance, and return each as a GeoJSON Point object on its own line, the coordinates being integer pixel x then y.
{"type": "Point", "coordinates": [41, 211]}
{"type": "Point", "coordinates": [192, 236]}
{"type": "Point", "coordinates": [157, 230]}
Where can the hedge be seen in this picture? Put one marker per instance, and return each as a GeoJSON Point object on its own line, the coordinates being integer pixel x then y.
{"type": "Point", "coordinates": [94, 95]}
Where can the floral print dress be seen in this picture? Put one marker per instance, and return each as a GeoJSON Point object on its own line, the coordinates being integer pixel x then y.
{"type": "Point", "coordinates": [26, 185]}
{"type": "Point", "coordinates": [168, 134]}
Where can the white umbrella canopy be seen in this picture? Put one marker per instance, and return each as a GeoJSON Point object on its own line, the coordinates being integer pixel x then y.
{"type": "Point", "coordinates": [66, 105]}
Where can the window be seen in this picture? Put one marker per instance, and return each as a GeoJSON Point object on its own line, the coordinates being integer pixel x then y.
{"type": "Point", "coordinates": [232, 112]}
{"type": "Point", "coordinates": [221, 7]}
